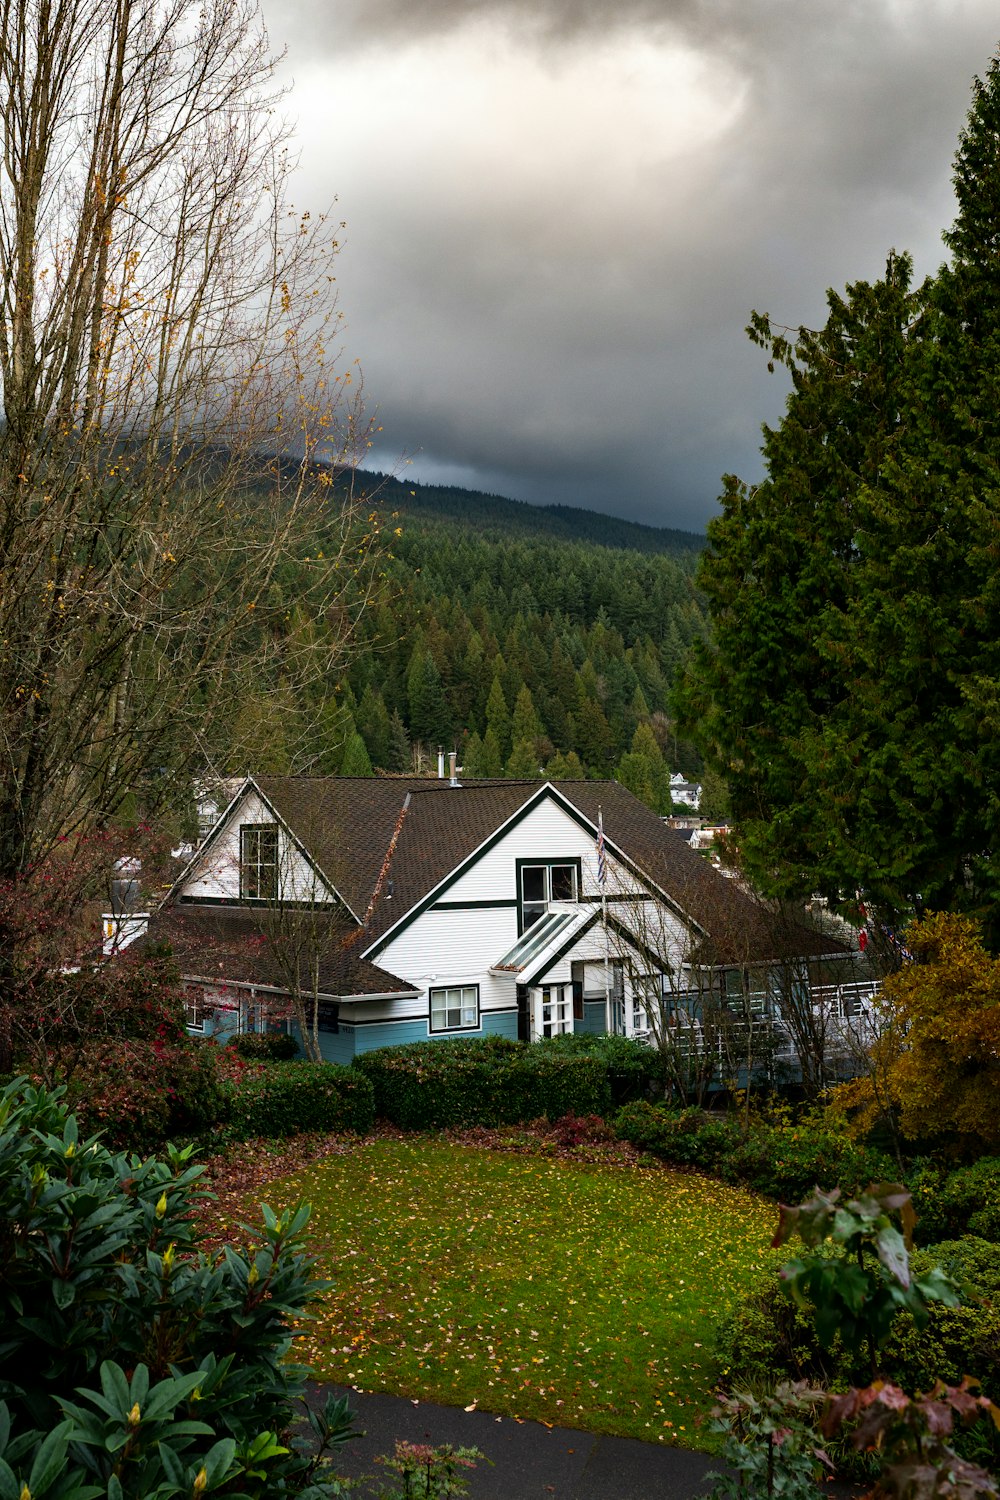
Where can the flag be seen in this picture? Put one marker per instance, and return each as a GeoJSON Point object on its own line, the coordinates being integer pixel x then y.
{"type": "Point", "coordinates": [602, 863]}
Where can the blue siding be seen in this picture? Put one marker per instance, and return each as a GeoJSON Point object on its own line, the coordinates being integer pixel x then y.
{"type": "Point", "coordinates": [500, 1023]}
{"type": "Point", "coordinates": [392, 1034]}
{"type": "Point", "coordinates": [593, 1018]}
{"type": "Point", "coordinates": [343, 1045]}
{"type": "Point", "coordinates": [334, 1046]}
{"type": "Point", "coordinates": [221, 1025]}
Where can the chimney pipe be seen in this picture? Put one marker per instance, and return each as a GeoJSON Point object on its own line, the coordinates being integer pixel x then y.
{"type": "Point", "coordinates": [440, 763]}
{"type": "Point", "coordinates": [453, 767]}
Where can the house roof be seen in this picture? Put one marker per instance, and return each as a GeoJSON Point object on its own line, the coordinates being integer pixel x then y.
{"type": "Point", "coordinates": [347, 824]}
{"type": "Point", "coordinates": [234, 943]}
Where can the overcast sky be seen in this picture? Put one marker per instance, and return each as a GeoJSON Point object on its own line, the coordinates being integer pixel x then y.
{"type": "Point", "coordinates": [560, 214]}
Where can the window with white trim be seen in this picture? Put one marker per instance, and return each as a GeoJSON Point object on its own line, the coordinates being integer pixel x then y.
{"type": "Point", "coordinates": [647, 994]}
{"type": "Point", "coordinates": [197, 1009]}
{"type": "Point", "coordinates": [455, 1008]}
{"type": "Point", "coordinates": [258, 861]}
{"type": "Point", "coordinates": [555, 1009]}
{"type": "Point", "coordinates": [544, 883]}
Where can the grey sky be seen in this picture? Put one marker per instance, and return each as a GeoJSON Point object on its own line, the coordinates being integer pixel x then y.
{"type": "Point", "coordinates": [561, 212]}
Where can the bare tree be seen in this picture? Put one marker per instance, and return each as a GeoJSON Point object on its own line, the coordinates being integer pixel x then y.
{"type": "Point", "coordinates": [706, 1019]}
{"type": "Point", "coordinates": [164, 322]}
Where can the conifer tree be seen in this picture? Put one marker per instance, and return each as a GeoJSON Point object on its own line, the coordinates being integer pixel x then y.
{"type": "Point", "coordinates": [399, 743]}
{"type": "Point", "coordinates": [374, 726]}
{"type": "Point", "coordinates": [498, 719]}
{"type": "Point", "coordinates": [355, 761]}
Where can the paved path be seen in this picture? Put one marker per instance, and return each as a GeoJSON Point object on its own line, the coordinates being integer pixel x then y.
{"type": "Point", "coordinates": [529, 1461]}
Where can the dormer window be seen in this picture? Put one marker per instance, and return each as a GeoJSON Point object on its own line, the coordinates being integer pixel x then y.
{"type": "Point", "coordinates": [258, 862]}
{"type": "Point", "coordinates": [543, 883]}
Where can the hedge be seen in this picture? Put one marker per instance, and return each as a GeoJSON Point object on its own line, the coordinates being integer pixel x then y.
{"type": "Point", "coordinates": [265, 1046]}
{"type": "Point", "coordinates": [493, 1081]}
{"type": "Point", "coordinates": [783, 1161]}
{"type": "Point", "coordinates": [285, 1098]}
{"type": "Point", "coordinates": [634, 1070]}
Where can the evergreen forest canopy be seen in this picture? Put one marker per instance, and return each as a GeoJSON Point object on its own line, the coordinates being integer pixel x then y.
{"type": "Point", "coordinates": [515, 633]}
{"type": "Point", "coordinates": [850, 690]}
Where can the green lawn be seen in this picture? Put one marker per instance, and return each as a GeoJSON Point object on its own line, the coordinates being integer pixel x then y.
{"type": "Point", "coordinates": [580, 1295]}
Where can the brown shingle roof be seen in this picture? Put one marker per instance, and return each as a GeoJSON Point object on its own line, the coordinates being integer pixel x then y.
{"type": "Point", "coordinates": [347, 824]}
{"type": "Point", "coordinates": [250, 946]}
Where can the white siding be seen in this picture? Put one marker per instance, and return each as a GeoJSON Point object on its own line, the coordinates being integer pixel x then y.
{"type": "Point", "coordinates": [215, 874]}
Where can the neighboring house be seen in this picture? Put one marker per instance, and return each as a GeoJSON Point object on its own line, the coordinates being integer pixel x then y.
{"type": "Point", "coordinates": [685, 793]}
{"type": "Point", "coordinates": [416, 909]}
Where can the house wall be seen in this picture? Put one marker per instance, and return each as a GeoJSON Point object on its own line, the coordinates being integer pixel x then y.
{"type": "Point", "coordinates": [215, 875]}
{"type": "Point", "coordinates": [474, 921]}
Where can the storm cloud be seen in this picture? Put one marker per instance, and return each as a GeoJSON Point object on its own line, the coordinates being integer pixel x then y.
{"type": "Point", "coordinates": [561, 213]}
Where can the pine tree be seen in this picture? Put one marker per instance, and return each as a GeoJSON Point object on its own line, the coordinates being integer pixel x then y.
{"type": "Point", "coordinates": [526, 726]}
{"type": "Point", "coordinates": [429, 716]}
{"type": "Point", "coordinates": [491, 760]}
{"type": "Point", "coordinates": [498, 718]}
{"type": "Point", "coordinates": [771, 698]}
{"type": "Point", "coordinates": [399, 744]}
{"type": "Point", "coordinates": [355, 761]}
{"type": "Point", "coordinates": [523, 762]}
{"type": "Point", "coordinates": [374, 726]}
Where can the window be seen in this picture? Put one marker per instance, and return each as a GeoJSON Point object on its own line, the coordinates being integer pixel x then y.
{"type": "Point", "coordinates": [542, 883]}
{"type": "Point", "coordinates": [328, 1015]}
{"type": "Point", "coordinates": [259, 862]}
{"type": "Point", "coordinates": [647, 994]}
{"type": "Point", "coordinates": [555, 1011]}
{"type": "Point", "coordinates": [197, 1011]}
{"type": "Point", "coordinates": [455, 1008]}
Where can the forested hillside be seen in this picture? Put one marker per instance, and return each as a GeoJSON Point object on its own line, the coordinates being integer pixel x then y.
{"type": "Point", "coordinates": [509, 632]}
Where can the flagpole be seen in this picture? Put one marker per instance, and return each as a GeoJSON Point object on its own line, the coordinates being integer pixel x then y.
{"type": "Point", "coordinates": [602, 879]}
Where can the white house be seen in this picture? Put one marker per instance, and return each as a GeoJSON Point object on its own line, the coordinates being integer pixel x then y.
{"type": "Point", "coordinates": [685, 793]}
{"type": "Point", "coordinates": [415, 909]}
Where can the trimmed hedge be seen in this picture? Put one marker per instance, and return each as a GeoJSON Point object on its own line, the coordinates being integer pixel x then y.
{"type": "Point", "coordinates": [286, 1098]}
{"type": "Point", "coordinates": [264, 1046]}
{"type": "Point", "coordinates": [490, 1081]}
{"type": "Point", "coordinates": [634, 1070]}
{"type": "Point", "coordinates": [783, 1161]}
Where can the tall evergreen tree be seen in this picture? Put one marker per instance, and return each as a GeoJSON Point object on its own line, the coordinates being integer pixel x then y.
{"type": "Point", "coordinates": [498, 718]}
{"type": "Point", "coordinates": [770, 698]}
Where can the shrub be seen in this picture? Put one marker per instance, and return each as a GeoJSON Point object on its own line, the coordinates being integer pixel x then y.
{"type": "Point", "coordinates": [265, 1046]}
{"type": "Point", "coordinates": [687, 1137]}
{"type": "Point", "coordinates": [768, 1338]}
{"type": "Point", "coordinates": [789, 1161]}
{"type": "Point", "coordinates": [785, 1161]}
{"type": "Point", "coordinates": [966, 1201]}
{"type": "Point", "coordinates": [633, 1069]}
{"type": "Point", "coordinates": [140, 1093]}
{"type": "Point", "coordinates": [493, 1081]}
{"type": "Point", "coordinates": [132, 1365]}
{"type": "Point", "coordinates": [284, 1098]}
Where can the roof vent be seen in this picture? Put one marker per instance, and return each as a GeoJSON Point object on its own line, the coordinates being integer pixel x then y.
{"type": "Point", "coordinates": [453, 768]}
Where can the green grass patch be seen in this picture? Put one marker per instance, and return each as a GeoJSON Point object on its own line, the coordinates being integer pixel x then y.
{"type": "Point", "coordinates": [581, 1295]}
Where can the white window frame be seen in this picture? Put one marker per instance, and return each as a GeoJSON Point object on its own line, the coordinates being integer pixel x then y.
{"type": "Point", "coordinates": [462, 1007]}
{"type": "Point", "coordinates": [538, 906]}
{"type": "Point", "coordinates": [553, 1010]}
{"type": "Point", "coordinates": [198, 1009]}
{"type": "Point", "coordinates": [258, 875]}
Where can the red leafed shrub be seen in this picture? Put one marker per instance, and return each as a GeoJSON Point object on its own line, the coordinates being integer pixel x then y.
{"type": "Point", "coordinates": [140, 1093]}
{"type": "Point", "coordinates": [581, 1130]}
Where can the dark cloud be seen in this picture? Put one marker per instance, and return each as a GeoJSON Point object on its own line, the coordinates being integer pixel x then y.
{"type": "Point", "coordinates": [560, 214]}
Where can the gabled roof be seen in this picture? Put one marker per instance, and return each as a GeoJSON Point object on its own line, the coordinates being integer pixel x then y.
{"type": "Point", "coordinates": [347, 823]}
